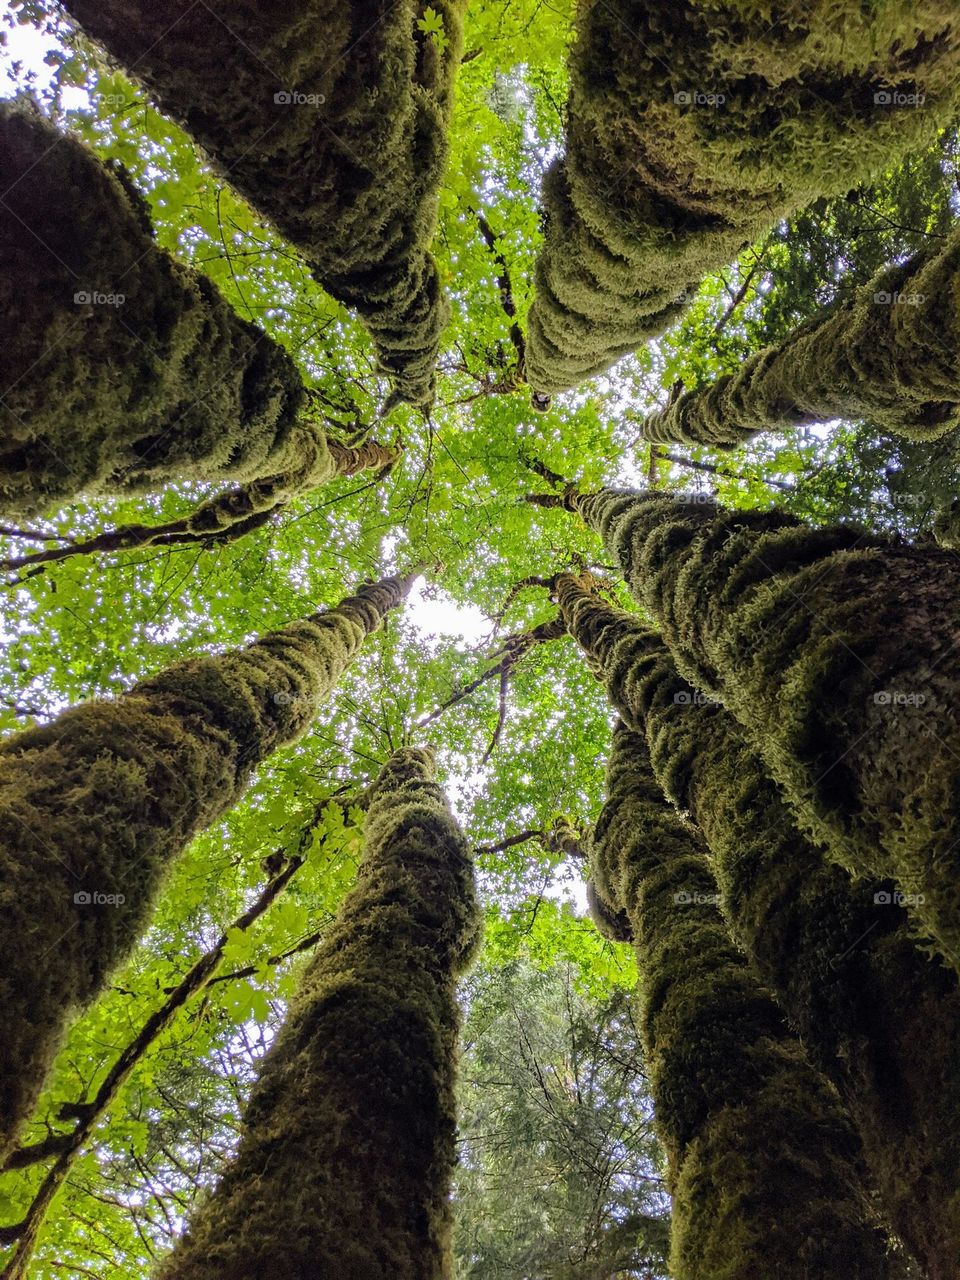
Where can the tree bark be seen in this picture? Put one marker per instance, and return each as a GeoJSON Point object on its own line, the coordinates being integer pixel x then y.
{"type": "Point", "coordinates": [838, 954]}
{"type": "Point", "coordinates": [693, 129]}
{"type": "Point", "coordinates": [890, 354]}
{"type": "Point", "coordinates": [121, 368]}
{"type": "Point", "coordinates": [347, 1149]}
{"type": "Point", "coordinates": [331, 119]}
{"type": "Point", "coordinates": [836, 651]}
{"type": "Point", "coordinates": [763, 1161]}
{"type": "Point", "coordinates": [96, 804]}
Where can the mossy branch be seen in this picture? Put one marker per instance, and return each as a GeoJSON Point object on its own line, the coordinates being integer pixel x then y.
{"type": "Point", "coordinates": [889, 354]}
{"type": "Point", "coordinates": [107, 794]}
{"type": "Point", "coordinates": [230, 515]}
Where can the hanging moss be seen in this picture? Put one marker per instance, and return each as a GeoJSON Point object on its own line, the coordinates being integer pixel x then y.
{"type": "Point", "coordinates": [842, 964]}
{"type": "Point", "coordinates": [889, 354]}
{"type": "Point", "coordinates": [348, 162]}
{"type": "Point", "coordinates": [121, 368]}
{"type": "Point", "coordinates": [763, 1162]}
{"type": "Point", "coordinates": [836, 651]}
{"type": "Point", "coordinates": [692, 129]}
{"type": "Point", "coordinates": [100, 800]}
{"type": "Point", "coordinates": [354, 1106]}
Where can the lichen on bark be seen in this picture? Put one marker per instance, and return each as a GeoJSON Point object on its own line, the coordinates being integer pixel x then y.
{"type": "Point", "coordinates": [100, 800]}
{"type": "Point", "coordinates": [331, 119]}
{"type": "Point", "coordinates": [121, 368]}
{"type": "Point", "coordinates": [692, 129]}
{"type": "Point", "coordinates": [764, 1165]}
{"type": "Point", "coordinates": [834, 650]}
{"type": "Point", "coordinates": [837, 953]}
{"type": "Point", "coordinates": [888, 354]}
{"type": "Point", "coordinates": [354, 1105]}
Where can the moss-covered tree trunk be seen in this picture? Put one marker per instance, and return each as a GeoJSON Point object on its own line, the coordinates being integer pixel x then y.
{"type": "Point", "coordinates": [763, 1160]}
{"type": "Point", "coordinates": [120, 367]}
{"type": "Point", "coordinates": [331, 119]}
{"type": "Point", "coordinates": [94, 806]}
{"type": "Point", "coordinates": [838, 653]}
{"type": "Point", "coordinates": [837, 953]}
{"type": "Point", "coordinates": [891, 354]}
{"type": "Point", "coordinates": [347, 1150]}
{"type": "Point", "coordinates": [693, 128]}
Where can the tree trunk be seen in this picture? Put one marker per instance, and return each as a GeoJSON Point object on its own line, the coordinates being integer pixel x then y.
{"type": "Point", "coordinates": [836, 652]}
{"type": "Point", "coordinates": [692, 129]}
{"type": "Point", "coordinates": [842, 964]}
{"type": "Point", "coordinates": [890, 354]}
{"type": "Point", "coordinates": [331, 119]}
{"type": "Point", "coordinates": [122, 368]}
{"type": "Point", "coordinates": [763, 1161]}
{"type": "Point", "coordinates": [94, 806]}
{"type": "Point", "coordinates": [347, 1149]}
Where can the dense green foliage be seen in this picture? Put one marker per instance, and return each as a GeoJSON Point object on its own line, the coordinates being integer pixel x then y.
{"type": "Point", "coordinates": [89, 626]}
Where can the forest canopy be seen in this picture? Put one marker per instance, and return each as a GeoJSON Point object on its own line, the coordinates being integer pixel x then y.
{"type": "Point", "coordinates": [425, 460]}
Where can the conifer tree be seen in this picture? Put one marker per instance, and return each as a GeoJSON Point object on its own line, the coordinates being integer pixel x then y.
{"type": "Point", "coordinates": [837, 953]}
{"type": "Point", "coordinates": [347, 1150]}
{"type": "Point", "coordinates": [96, 804]}
{"type": "Point", "coordinates": [122, 368]}
{"type": "Point", "coordinates": [763, 1161]}
{"type": "Point", "coordinates": [691, 130]}
{"type": "Point", "coordinates": [331, 119]}
{"type": "Point", "coordinates": [889, 354]}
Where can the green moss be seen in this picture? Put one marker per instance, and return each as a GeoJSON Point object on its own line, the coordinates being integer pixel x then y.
{"type": "Point", "coordinates": [102, 798]}
{"type": "Point", "coordinates": [351, 173]}
{"type": "Point", "coordinates": [657, 189]}
{"type": "Point", "coordinates": [166, 384]}
{"type": "Point", "coordinates": [832, 649]}
{"type": "Point", "coordinates": [888, 354]}
{"type": "Point", "coordinates": [842, 965]}
{"type": "Point", "coordinates": [354, 1106]}
{"type": "Point", "coordinates": [763, 1161]}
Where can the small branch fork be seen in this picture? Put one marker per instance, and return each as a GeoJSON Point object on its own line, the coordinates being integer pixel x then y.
{"type": "Point", "coordinates": [510, 653]}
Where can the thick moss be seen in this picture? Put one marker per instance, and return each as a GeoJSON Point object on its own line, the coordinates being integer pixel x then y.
{"type": "Point", "coordinates": [165, 381]}
{"type": "Point", "coordinates": [662, 184]}
{"type": "Point", "coordinates": [842, 965]}
{"type": "Point", "coordinates": [354, 1106]}
{"type": "Point", "coordinates": [94, 806]}
{"type": "Point", "coordinates": [763, 1161]}
{"type": "Point", "coordinates": [241, 509]}
{"type": "Point", "coordinates": [836, 651]}
{"type": "Point", "coordinates": [347, 164]}
{"type": "Point", "coordinates": [891, 353]}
